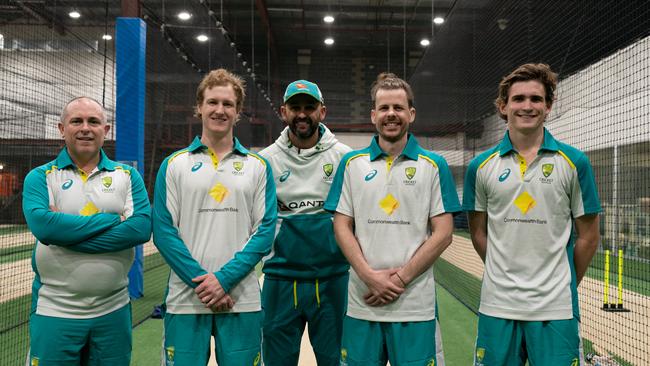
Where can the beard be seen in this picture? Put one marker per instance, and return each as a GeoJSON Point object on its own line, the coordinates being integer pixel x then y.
{"type": "Point", "coordinates": [303, 134]}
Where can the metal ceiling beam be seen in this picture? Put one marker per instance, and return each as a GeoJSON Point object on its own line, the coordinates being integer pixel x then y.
{"type": "Point", "coordinates": [41, 14]}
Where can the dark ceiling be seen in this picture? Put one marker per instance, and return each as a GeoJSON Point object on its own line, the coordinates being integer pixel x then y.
{"type": "Point", "coordinates": [455, 78]}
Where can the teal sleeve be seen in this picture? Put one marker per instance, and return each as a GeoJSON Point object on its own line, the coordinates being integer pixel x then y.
{"type": "Point", "coordinates": [57, 228]}
{"type": "Point", "coordinates": [165, 234]}
{"type": "Point", "coordinates": [469, 187]}
{"type": "Point", "coordinates": [587, 186]}
{"type": "Point", "coordinates": [259, 244]}
{"type": "Point", "coordinates": [135, 230]}
{"type": "Point", "coordinates": [474, 188]}
{"type": "Point", "coordinates": [447, 187]}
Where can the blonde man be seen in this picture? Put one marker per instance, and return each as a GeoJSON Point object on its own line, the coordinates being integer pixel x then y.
{"type": "Point", "coordinates": [213, 220]}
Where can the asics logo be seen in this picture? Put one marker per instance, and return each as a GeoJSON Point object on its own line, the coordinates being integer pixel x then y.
{"type": "Point", "coordinates": [504, 175]}
{"type": "Point", "coordinates": [285, 175]}
{"type": "Point", "coordinates": [197, 166]}
{"type": "Point", "coordinates": [67, 184]}
{"type": "Point", "coordinates": [371, 175]}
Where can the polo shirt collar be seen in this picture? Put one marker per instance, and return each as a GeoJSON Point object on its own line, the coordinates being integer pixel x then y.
{"type": "Point", "coordinates": [549, 143]}
{"type": "Point", "coordinates": [63, 160]}
{"type": "Point", "coordinates": [411, 150]}
{"type": "Point", "coordinates": [197, 145]}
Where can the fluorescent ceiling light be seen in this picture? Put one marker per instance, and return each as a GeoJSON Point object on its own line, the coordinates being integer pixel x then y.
{"type": "Point", "coordinates": [107, 37]}
{"type": "Point", "coordinates": [202, 38]}
{"type": "Point", "coordinates": [183, 15]}
{"type": "Point", "coordinates": [329, 41]}
{"type": "Point", "coordinates": [328, 19]}
{"type": "Point", "coordinates": [438, 20]}
{"type": "Point", "coordinates": [74, 14]}
{"type": "Point", "coordinates": [424, 42]}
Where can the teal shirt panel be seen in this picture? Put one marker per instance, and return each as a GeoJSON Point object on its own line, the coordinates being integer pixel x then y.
{"type": "Point", "coordinates": [306, 249]}
{"type": "Point", "coordinates": [469, 187]}
{"type": "Point", "coordinates": [260, 242]}
{"type": "Point", "coordinates": [586, 179]}
{"type": "Point", "coordinates": [447, 185]}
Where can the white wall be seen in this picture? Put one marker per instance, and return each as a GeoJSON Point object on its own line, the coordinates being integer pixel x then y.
{"type": "Point", "coordinates": [36, 84]}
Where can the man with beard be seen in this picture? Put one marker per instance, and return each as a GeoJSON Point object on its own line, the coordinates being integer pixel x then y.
{"type": "Point", "coordinates": [393, 204]}
{"type": "Point", "coordinates": [306, 275]}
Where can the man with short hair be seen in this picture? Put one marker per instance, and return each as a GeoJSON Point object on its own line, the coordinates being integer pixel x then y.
{"type": "Point", "coordinates": [393, 204]}
{"type": "Point", "coordinates": [213, 220]}
{"type": "Point", "coordinates": [306, 275]}
{"type": "Point", "coordinates": [523, 197]}
{"type": "Point", "coordinates": [87, 213]}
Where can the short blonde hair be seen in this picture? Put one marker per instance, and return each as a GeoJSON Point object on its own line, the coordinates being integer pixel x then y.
{"type": "Point", "coordinates": [221, 77]}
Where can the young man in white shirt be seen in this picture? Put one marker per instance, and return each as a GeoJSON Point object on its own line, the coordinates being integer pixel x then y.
{"type": "Point", "coordinates": [213, 220]}
{"type": "Point", "coordinates": [524, 197]}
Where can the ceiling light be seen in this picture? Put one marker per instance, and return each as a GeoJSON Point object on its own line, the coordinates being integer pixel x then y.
{"type": "Point", "coordinates": [202, 38]}
{"type": "Point", "coordinates": [74, 14]}
{"type": "Point", "coordinates": [438, 20]}
{"type": "Point", "coordinates": [2, 166]}
{"type": "Point", "coordinates": [329, 41]}
{"type": "Point", "coordinates": [424, 42]}
{"type": "Point", "coordinates": [183, 15]}
{"type": "Point", "coordinates": [107, 37]}
{"type": "Point", "coordinates": [328, 19]}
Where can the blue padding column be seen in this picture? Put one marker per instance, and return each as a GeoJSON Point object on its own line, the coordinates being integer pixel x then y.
{"type": "Point", "coordinates": [130, 49]}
